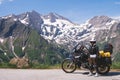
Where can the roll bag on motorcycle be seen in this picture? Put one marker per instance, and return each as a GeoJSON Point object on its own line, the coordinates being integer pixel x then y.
{"type": "Point", "coordinates": [105, 54]}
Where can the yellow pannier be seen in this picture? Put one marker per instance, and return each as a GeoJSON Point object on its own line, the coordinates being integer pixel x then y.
{"type": "Point", "coordinates": [107, 54]}
{"type": "Point", "coordinates": [104, 54]}
{"type": "Point", "coordinates": [101, 53]}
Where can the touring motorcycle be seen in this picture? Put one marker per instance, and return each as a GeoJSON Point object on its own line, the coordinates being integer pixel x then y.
{"type": "Point", "coordinates": [78, 58]}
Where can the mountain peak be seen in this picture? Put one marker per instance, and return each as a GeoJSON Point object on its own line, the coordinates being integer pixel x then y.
{"type": "Point", "coordinates": [53, 16]}
{"type": "Point", "coordinates": [33, 12]}
{"type": "Point", "coordinates": [28, 18]}
{"type": "Point", "coordinates": [101, 17]}
{"type": "Point", "coordinates": [100, 20]}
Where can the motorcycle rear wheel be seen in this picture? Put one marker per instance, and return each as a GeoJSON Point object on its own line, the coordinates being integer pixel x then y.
{"type": "Point", "coordinates": [103, 69]}
{"type": "Point", "coordinates": [68, 66]}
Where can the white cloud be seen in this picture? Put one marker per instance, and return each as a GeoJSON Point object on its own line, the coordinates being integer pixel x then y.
{"type": "Point", "coordinates": [1, 1]}
{"type": "Point", "coordinates": [10, 0]}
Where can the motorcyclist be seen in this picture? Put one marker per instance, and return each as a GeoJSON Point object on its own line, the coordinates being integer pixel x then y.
{"type": "Point", "coordinates": [93, 53]}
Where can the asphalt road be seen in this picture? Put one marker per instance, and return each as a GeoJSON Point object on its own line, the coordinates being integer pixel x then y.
{"type": "Point", "coordinates": [53, 74]}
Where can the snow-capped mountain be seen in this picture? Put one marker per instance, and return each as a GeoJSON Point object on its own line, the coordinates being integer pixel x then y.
{"type": "Point", "coordinates": [63, 31]}
{"type": "Point", "coordinates": [52, 26]}
{"type": "Point", "coordinates": [56, 28]}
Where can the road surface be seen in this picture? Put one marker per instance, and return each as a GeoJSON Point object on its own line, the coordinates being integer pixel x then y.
{"type": "Point", "coordinates": [53, 74]}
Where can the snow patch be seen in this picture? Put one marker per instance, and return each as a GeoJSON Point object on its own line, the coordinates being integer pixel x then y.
{"type": "Point", "coordinates": [110, 23]}
{"type": "Point", "coordinates": [24, 21]}
{"type": "Point", "coordinates": [59, 22]}
{"type": "Point", "coordinates": [6, 17]}
{"type": "Point", "coordinates": [1, 40]}
{"type": "Point", "coordinates": [113, 35]}
{"type": "Point", "coordinates": [15, 19]}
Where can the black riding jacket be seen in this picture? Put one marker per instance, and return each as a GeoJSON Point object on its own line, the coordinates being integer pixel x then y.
{"type": "Point", "coordinates": [94, 49]}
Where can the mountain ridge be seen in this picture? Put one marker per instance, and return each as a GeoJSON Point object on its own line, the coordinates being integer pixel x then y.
{"type": "Point", "coordinates": [61, 26]}
{"type": "Point", "coordinates": [57, 29]}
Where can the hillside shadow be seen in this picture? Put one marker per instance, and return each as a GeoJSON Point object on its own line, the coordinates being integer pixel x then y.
{"type": "Point", "coordinates": [81, 72]}
{"type": "Point", "coordinates": [112, 74]}
{"type": "Point", "coordinates": [109, 74]}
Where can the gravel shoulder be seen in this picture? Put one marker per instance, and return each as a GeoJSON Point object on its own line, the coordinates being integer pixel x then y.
{"type": "Point", "coordinates": [53, 74]}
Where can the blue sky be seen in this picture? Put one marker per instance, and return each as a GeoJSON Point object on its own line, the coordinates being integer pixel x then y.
{"type": "Point", "coordinates": [77, 11]}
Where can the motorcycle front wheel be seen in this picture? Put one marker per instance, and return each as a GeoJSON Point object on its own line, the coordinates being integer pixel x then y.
{"type": "Point", "coordinates": [68, 66]}
{"type": "Point", "coordinates": [103, 69]}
